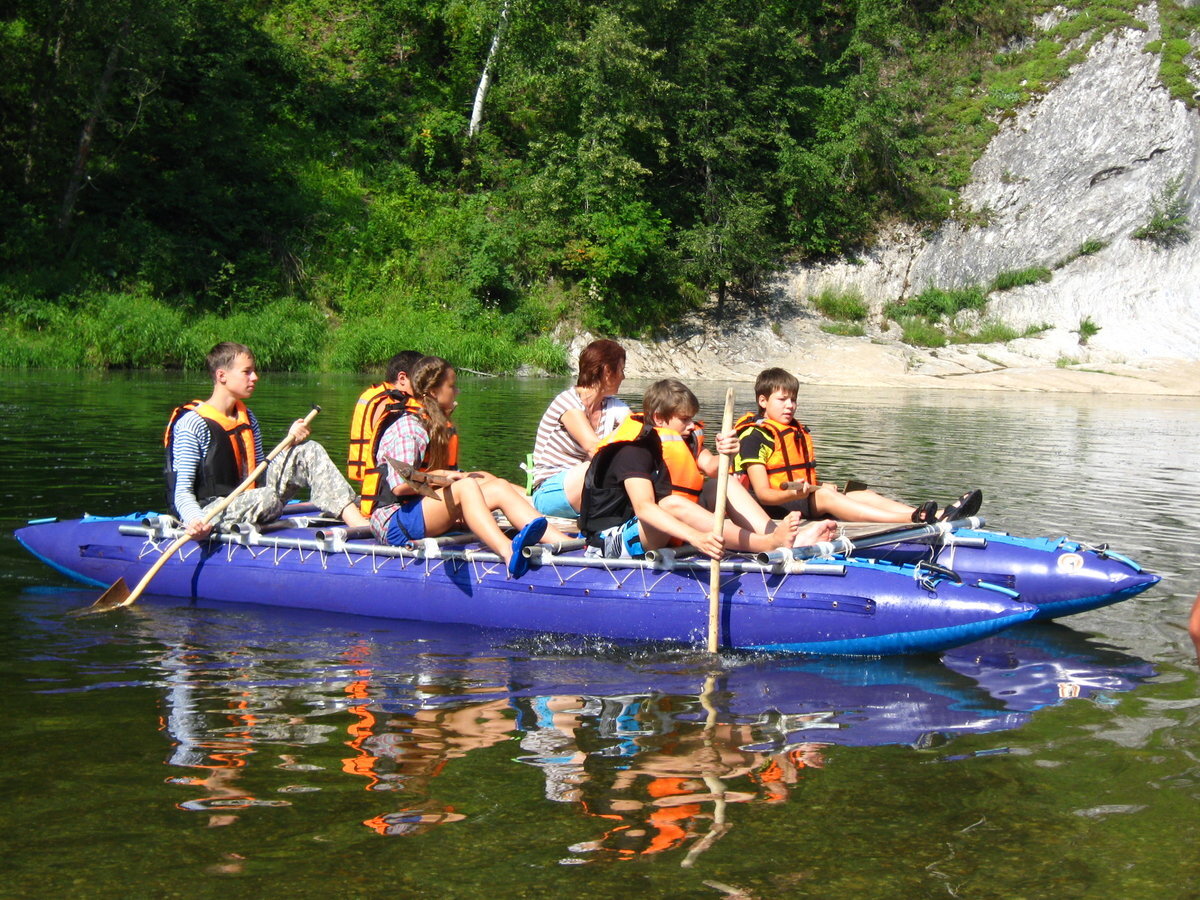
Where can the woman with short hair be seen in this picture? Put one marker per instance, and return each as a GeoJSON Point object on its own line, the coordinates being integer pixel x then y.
{"type": "Point", "coordinates": [573, 426]}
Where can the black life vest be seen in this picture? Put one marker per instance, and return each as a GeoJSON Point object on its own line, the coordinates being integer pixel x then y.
{"type": "Point", "coordinates": [604, 506]}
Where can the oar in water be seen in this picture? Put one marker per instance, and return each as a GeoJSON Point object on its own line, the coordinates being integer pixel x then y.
{"type": "Point", "coordinates": [119, 594]}
{"type": "Point", "coordinates": [714, 574]}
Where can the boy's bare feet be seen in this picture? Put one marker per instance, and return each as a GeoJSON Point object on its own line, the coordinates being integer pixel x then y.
{"type": "Point", "coordinates": [785, 530]}
{"type": "Point", "coordinates": [815, 532]}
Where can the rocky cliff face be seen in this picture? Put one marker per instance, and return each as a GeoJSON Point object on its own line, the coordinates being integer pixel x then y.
{"type": "Point", "coordinates": [1083, 165]}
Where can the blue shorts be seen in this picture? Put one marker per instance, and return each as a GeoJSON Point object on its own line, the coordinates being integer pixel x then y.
{"type": "Point", "coordinates": [550, 498]}
{"type": "Point", "coordinates": [622, 541]}
{"type": "Point", "coordinates": [407, 524]}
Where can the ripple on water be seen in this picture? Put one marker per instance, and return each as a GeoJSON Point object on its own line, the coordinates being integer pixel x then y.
{"type": "Point", "coordinates": [610, 742]}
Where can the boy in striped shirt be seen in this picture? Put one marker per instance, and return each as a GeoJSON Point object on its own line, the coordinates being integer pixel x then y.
{"type": "Point", "coordinates": [213, 445]}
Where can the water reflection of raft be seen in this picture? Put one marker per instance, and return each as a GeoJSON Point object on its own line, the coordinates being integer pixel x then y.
{"type": "Point", "coordinates": [840, 605]}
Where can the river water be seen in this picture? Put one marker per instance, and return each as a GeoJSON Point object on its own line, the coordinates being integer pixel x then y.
{"type": "Point", "coordinates": [236, 751]}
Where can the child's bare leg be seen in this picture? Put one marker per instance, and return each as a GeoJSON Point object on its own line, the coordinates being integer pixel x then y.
{"type": "Point", "coordinates": [882, 503]}
{"type": "Point", "coordinates": [511, 500]}
{"type": "Point", "coordinates": [846, 508]}
{"type": "Point", "coordinates": [736, 536]}
{"type": "Point", "coordinates": [786, 529]}
{"type": "Point", "coordinates": [352, 516]}
{"type": "Point", "coordinates": [742, 508]}
{"type": "Point", "coordinates": [573, 484]}
{"type": "Point", "coordinates": [651, 537]}
{"type": "Point", "coordinates": [814, 532]}
{"type": "Point", "coordinates": [746, 512]}
{"type": "Point", "coordinates": [475, 513]}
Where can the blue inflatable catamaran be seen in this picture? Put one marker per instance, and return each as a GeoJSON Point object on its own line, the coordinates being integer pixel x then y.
{"type": "Point", "coordinates": [910, 590]}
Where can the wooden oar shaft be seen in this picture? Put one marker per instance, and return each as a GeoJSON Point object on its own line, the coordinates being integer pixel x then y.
{"type": "Point", "coordinates": [214, 511]}
{"type": "Point", "coordinates": [714, 575]}
{"type": "Point", "coordinates": [796, 486]}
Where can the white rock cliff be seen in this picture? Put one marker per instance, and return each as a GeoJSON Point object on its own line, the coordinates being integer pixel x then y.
{"type": "Point", "coordinates": [1084, 163]}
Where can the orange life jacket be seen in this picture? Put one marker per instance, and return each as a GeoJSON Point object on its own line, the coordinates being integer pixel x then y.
{"type": "Point", "coordinates": [230, 455]}
{"type": "Point", "coordinates": [375, 489]}
{"type": "Point", "coordinates": [365, 425]}
{"type": "Point", "coordinates": [679, 453]}
{"type": "Point", "coordinates": [792, 458]}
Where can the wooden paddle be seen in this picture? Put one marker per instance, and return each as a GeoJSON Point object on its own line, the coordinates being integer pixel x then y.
{"type": "Point", "coordinates": [714, 575]}
{"type": "Point", "coordinates": [119, 594]}
{"type": "Point", "coordinates": [851, 485]}
{"type": "Point", "coordinates": [425, 484]}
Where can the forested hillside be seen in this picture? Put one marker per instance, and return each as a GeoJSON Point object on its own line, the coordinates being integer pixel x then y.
{"type": "Point", "coordinates": [334, 180]}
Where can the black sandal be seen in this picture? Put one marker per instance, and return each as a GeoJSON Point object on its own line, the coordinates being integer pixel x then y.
{"type": "Point", "coordinates": [925, 513]}
{"type": "Point", "coordinates": [966, 505]}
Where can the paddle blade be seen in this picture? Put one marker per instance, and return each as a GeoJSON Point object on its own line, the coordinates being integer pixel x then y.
{"type": "Point", "coordinates": [412, 477]}
{"type": "Point", "coordinates": [113, 598]}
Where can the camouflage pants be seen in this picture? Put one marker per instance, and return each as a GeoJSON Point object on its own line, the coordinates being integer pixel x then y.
{"type": "Point", "coordinates": [306, 465]}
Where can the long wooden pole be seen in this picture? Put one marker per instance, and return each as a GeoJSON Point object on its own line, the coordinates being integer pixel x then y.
{"type": "Point", "coordinates": [119, 595]}
{"type": "Point", "coordinates": [714, 576]}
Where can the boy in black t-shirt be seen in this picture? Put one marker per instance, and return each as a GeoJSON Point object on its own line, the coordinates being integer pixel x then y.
{"type": "Point", "coordinates": [629, 506]}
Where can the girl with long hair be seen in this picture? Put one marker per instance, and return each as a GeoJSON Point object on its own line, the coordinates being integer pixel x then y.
{"type": "Point", "coordinates": [427, 441]}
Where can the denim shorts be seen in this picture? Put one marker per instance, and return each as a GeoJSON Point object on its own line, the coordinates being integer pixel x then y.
{"type": "Point", "coordinates": [550, 498]}
{"type": "Point", "coordinates": [407, 524]}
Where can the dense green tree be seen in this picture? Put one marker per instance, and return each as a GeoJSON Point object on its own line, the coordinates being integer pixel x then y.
{"type": "Point", "coordinates": [494, 165]}
{"type": "Point", "coordinates": [160, 149]}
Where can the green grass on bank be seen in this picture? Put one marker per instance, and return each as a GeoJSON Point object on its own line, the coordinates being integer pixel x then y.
{"type": "Point", "coordinates": [115, 330]}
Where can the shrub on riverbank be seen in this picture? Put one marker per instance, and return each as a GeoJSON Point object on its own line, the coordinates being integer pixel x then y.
{"type": "Point", "coordinates": [936, 304]}
{"type": "Point", "coordinates": [487, 344]}
{"type": "Point", "coordinates": [841, 307]}
{"type": "Point", "coordinates": [136, 331]}
{"type": "Point", "coordinates": [932, 318]}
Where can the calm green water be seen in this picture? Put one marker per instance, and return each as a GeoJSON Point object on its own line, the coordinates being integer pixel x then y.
{"type": "Point", "coordinates": [232, 752]}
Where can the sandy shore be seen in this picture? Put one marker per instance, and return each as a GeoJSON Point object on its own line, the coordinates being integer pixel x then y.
{"type": "Point", "coordinates": [871, 365]}
{"type": "Point", "coordinates": [702, 351]}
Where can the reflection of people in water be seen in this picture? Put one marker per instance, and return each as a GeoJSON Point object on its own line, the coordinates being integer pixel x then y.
{"type": "Point", "coordinates": [217, 732]}
{"type": "Point", "coordinates": [549, 743]}
{"type": "Point", "coordinates": [1194, 627]}
{"type": "Point", "coordinates": [677, 794]}
{"type": "Point", "coordinates": [784, 770]}
{"type": "Point", "coordinates": [410, 749]}
{"type": "Point", "coordinates": [218, 753]}
{"type": "Point", "coordinates": [675, 776]}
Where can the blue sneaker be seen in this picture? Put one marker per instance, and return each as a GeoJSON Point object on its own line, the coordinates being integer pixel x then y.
{"type": "Point", "coordinates": [518, 564]}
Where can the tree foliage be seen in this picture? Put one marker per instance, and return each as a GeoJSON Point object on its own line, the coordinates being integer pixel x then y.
{"type": "Point", "coordinates": [634, 156]}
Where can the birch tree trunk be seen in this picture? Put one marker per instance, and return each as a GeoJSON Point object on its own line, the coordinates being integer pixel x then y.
{"type": "Point", "coordinates": [79, 170]}
{"type": "Point", "coordinates": [485, 79]}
